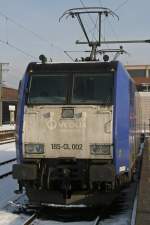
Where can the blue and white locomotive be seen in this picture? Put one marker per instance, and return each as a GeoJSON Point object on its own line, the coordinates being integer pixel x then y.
{"type": "Point", "coordinates": [77, 130]}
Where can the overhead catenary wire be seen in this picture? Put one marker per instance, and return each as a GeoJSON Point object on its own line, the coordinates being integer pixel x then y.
{"type": "Point", "coordinates": [15, 70]}
{"type": "Point", "coordinates": [117, 40]}
{"type": "Point", "coordinates": [107, 46]}
{"type": "Point", "coordinates": [83, 5]}
{"type": "Point", "coordinates": [104, 38]}
{"type": "Point", "coordinates": [95, 27]}
{"type": "Point", "coordinates": [18, 49]}
{"type": "Point", "coordinates": [81, 1]}
{"type": "Point", "coordinates": [6, 28]}
{"type": "Point", "coordinates": [100, 2]}
{"type": "Point", "coordinates": [121, 5]}
{"type": "Point", "coordinates": [23, 27]}
{"type": "Point", "coordinates": [112, 29]}
{"type": "Point", "coordinates": [40, 37]}
{"type": "Point", "coordinates": [116, 9]}
{"type": "Point", "coordinates": [66, 52]}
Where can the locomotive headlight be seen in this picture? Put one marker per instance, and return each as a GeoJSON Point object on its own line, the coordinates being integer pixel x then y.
{"type": "Point", "coordinates": [34, 148]}
{"type": "Point", "coordinates": [100, 149]}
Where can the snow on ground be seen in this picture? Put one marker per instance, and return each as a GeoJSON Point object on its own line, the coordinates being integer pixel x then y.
{"type": "Point", "coordinates": [7, 218]}
{"type": "Point", "coordinates": [7, 151]}
{"type": "Point", "coordinates": [6, 168]}
{"type": "Point", "coordinates": [7, 184]}
{"type": "Point", "coordinates": [7, 187]}
{"type": "Point", "coordinates": [7, 127]}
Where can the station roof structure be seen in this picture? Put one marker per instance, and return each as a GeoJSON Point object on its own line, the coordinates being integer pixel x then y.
{"type": "Point", "coordinates": [9, 94]}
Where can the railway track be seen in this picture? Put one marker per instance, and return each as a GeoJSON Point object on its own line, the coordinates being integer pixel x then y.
{"type": "Point", "coordinates": [96, 222]}
{"type": "Point", "coordinates": [31, 219]}
{"type": "Point", "coordinates": [7, 141]}
{"type": "Point", "coordinates": [120, 212]}
{"type": "Point", "coordinates": [7, 135]}
{"type": "Point", "coordinates": [5, 163]}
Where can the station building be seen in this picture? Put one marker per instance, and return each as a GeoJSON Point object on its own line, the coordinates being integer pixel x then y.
{"type": "Point", "coordinates": [9, 101]}
{"type": "Point", "coordinates": [141, 76]}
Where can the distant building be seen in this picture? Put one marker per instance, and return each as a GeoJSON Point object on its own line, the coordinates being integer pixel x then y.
{"type": "Point", "coordinates": [141, 76]}
{"type": "Point", "coordinates": [9, 98]}
{"type": "Point", "coordinates": [139, 70]}
{"type": "Point", "coordinates": [145, 106]}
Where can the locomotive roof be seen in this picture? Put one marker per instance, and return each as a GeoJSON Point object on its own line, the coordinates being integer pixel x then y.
{"type": "Point", "coordinates": [70, 67]}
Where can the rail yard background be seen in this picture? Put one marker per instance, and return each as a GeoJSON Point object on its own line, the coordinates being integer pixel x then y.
{"type": "Point", "coordinates": [31, 28]}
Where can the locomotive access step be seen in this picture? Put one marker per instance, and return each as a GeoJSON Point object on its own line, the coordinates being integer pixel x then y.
{"type": "Point", "coordinates": [143, 206]}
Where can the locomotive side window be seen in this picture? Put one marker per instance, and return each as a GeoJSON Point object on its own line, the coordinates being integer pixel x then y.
{"type": "Point", "coordinates": [93, 88]}
{"type": "Point", "coordinates": [45, 89]}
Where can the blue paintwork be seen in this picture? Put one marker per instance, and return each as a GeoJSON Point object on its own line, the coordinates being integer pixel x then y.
{"type": "Point", "coordinates": [20, 117]}
{"type": "Point", "coordinates": [122, 123]}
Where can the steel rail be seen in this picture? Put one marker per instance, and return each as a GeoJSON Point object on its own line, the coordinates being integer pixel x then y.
{"type": "Point", "coordinates": [7, 134]}
{"type": "Point", "coordinates": [7, 161]}
{"type": "Point", "coordinates": [7, 141]}
{"type": "Point", "coordinates": [97, 220]}
{"type": "Point", "coordinates": [5, 175]}
{"type": "Point", "coordinates": [30, 219]}
{"type": "Point", "coordinates": [6, 131]}
{"type": "Point", "coordinates": [4, 163]}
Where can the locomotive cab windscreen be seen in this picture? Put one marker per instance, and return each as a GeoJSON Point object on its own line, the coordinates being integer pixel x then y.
{"type": "Point", "coordinates": [64, 89]}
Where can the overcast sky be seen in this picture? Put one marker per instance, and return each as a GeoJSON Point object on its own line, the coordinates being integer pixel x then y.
{"type": "Point", "coordinates": [31, 27]}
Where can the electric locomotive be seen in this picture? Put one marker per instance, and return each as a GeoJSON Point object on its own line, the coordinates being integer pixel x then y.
{"type": "Point", "coordinates": [76, 130]}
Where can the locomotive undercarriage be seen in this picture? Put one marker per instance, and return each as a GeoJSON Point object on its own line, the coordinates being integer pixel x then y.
{"type": "Point", "coordinates": [64, 180]}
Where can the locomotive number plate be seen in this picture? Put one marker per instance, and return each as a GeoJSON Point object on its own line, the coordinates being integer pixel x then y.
{"type": "Point", "coordinates": [67, 146]}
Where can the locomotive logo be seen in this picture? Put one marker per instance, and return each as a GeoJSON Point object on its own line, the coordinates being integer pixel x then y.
{"type": "Point", "coordinates": [53, 124]}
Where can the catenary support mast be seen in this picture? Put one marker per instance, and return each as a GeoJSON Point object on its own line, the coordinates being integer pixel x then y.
{"type": "Point", "coordinates": [1, 85]}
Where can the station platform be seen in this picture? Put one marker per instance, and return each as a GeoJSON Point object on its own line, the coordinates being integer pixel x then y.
{"type": "Point", "coordinates": [143, 205]}
{"type": "Point", "coordinates": [7, 127]}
